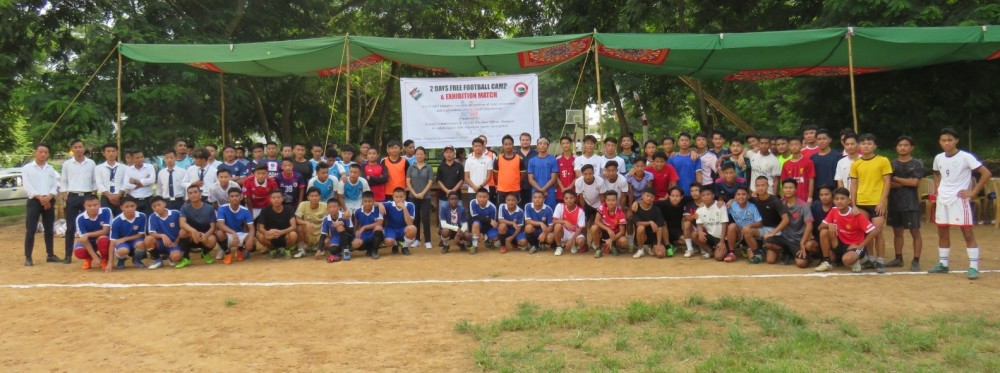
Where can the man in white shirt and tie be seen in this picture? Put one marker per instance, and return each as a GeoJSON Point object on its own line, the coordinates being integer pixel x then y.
{"type": "Point", "coordinates": [200, 174]}
{"type": "Point", "coordinates": [41, 184]}
{"type": "Point", "coordinates": [110, 179]}
{"type": "Point", "coordinates": [76, 182]}
{"type": "Point", "coordinates": [171, 182]}
{"type": "Point", "coordinates": [139, 179]}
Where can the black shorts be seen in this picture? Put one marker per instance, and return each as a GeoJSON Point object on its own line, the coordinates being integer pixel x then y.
{"type": "Point", "coordinates": [589, 212]}
{"type": "Point", "coordinates": [841, 249]}
{"type": "Point", "coordinates": [650, 236]}
{"type": "Point", "coordinates": [904, 219]}
{"type": "Point", "coordinates": [675, 234]}
{"type": "Point", "coordinates": [870, 210]}
{"type": "Point", "coordinates": [605, 235]}
{"type": "Point", "coordinates": [711, 240]}
{"type": "Point", "coordinates": [787, 244]}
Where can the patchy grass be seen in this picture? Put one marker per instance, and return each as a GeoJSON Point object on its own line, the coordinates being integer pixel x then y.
{"type": "Point", "coordinates": [231, 302]}
{"type": "Point", "coordinates": [727, 334]}
{"type": "Point", "coordinates": [12, 214]}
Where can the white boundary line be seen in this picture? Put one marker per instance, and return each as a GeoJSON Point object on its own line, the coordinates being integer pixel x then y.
{"type": "Point", "coordinates": [456, 281]}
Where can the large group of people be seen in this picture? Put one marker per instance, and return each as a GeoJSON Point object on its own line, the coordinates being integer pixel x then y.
{"type": "Point", "coordinates": [768, 199]}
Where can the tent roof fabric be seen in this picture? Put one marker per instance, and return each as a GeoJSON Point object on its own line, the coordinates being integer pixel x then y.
{"type": "Point", "coordinates": [737, 56]}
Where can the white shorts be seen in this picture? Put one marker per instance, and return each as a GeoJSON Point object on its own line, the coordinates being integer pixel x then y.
{"type": "Point", "coordinates": [957, 213]}
{"type": "Point", "coordinates": [766, 230]}
{"type": "Point", "coordinates": [567, 235]}
{"type": "Point", "coordinates": [239, 235]}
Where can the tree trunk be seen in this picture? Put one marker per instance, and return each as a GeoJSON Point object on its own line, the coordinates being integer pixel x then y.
{"type": "Point", "coordinates": [619, 110]}
{"type": "Point", "coordinates": [286, 119]}
{"type": "Point", "coordinates": [261, 114]}
{"type": "Point", "coordinates": [388, 93]}
{"type": "Point", "coordinates": [706, 126]}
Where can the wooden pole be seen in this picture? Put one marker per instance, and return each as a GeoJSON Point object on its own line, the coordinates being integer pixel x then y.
{"type": "Point", "coordinates": [850, 71]}
{"type": "Point", "coordinates": [118, 115]}
{"type": "Point", "coordinates": [347, 122]}
{"type": "Point", "coordinates": [600, 103]}
{"type": "Point", "coordinates": [222, 105]}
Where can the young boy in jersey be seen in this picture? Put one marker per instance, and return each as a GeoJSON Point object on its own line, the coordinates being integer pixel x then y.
{"type": "Point", "coordinates": [569, 225]}
{"type": "Point", "coordinates": [198, 218]}
{"type": "Point", "coordinates": [482, 218]}
{"type": "Point", "coordinates": [538, 222]}
{"type": "Point", "coordinates": [649, 224]}
{"type": "Point", "coordinates": [796, 235]}
{"type": "Point", "coordinates": [375, 174]}
{"type": "Point", "coordinates": [92, 228]}
{"type": "Point", "coordinates": [608, 230]}
{"type": "Point", "coordinates": [309, 217]}
{"type": "Point", "coordinates": [567, 175]}
{"type": "Point", "coordinates": [589, 188]}
{"type": "Point", "coordinates": [451, 217]}
{"type": "Point", "coordinates": [510, 225]}
{"type": "Point", "coordinates": [368, 234]}
{"type": "Point", "coordinates": [712, 223]}
{"type": "Point", "coordinates": [675, 209]}
{"type": "Point", "coordinates": [353, 188]}
{"type": "Point", "coordinates": [276, 226]}
{"type": "Point", "coordinates": [746, 227]}
{"type": "Point", "coordinates": [163, 234]}
{"type": "Point", "coordinates": [801, 169]}
{"type": "Point", "coordinates": [394, 169]}
{"type": "Point", "coordinates": [336, 233]}
{"type": "Point", "coordinates": [953, 170]}
{"type": "Point", "coordinates": [290, 183]}
{"type": "Point", "coordinates": [871, 176]}
{"type": "Point", "coordinates": [326, 185]}
{"type": "Point", "coordinates": [399, 222]}
{"type": "Point", "coordinates": [904, 202]}
{"type": "Point", "coordinates": [727, 185]}
{"type": "Point", "coordinates": [257, 189]}
{"type": "Point", "coordinates": [853, 231]}
{"type": "Point", "coordinates": [128, 232]}
{"type": "Point", "coordinates": [235, 228]}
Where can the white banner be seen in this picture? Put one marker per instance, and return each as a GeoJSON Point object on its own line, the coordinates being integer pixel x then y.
{"type": "Point", "coordinates": [438, 112]}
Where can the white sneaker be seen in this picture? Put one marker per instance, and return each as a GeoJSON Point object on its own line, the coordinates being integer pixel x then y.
{"type": "Point", "coordinates": [415, 244]}
{"type": "Point", "coordinates": [156, 264]}
{"type": "Point", "coordinates": [559, 251]}
{"type": "Point", "coordinates": [574, 250]}
{"type": "Point", "coordinates": [475, 242]}
{"type": "Point", "coordinates": [428, 245]}
{"type": "Point", "coordinates": [638, 254]}
{"type": "Point", "coordinates": [170, 263]}
{"type": "Point", "coordinates": [300, 253]}
{"type": "Point", "coordinates": [688, 253]}
{"type": "Point", "coordinates": [220, 255]}
{"type": "Point", "coordinates": [824, 267]}
{"type": "Point", "coordinates": [706, 255]}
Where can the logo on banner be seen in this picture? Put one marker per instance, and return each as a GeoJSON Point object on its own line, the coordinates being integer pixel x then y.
{"type": "Point", "coordinates": [520, 89]}
{"type": "Point", "coordinates": [416, 94]}
{"type": "Point", "coordinates": [469, 113]}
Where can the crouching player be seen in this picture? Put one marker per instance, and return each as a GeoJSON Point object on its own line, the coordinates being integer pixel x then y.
{"type": "Point", "coordinates": [746, 228]}
{"type": "Point", "coordinates": [510, 225]}
{"type": "Point", "coordinates": [235, 228]}
{"type": "Point", "coordinates": [453, 225]}
{"type": "Point", "coordinates": [852, 230]}
{"type": "Point", "coordinates": [569, 223]}
{"type": "Point", "coordinates": [538, 223]}
{"type": "Point", "coordinates": [482, 218]}
{"type": "Point", "coordinates": [92, 228]}
{"type": "Point", "coordinates": [607, 235]}
{"type": "Point", "coordinates": [796, 237]}
{"type": "Point", "coordinates": [399, 222]}
{"type": "Point", "coordinates": [198, 219]}
{"type": "Point", "coordinates": [276, 226]}
{"type": "Point", "coordinates": [163, 234]}
{"type": "Point", "coordinates": [649, 224]}
{"type": "Point", "coordinates": [309, 217]}
{"type": "Point", "coordinates": [712, 222]}
{"type": "Point", "coordinates": [128, 231]}
{"type": "Point", "coordinates": [336, 232]}
{"type": "Point", "coordinates": [369, 233]}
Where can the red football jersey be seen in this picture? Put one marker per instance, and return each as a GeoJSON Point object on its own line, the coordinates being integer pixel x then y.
{"type": "Point", "coordinates": [566, 173]}
{"type": "Point", "coordinates": [851, 229]}
{"type": "Point", "coordinates": [375, 170]}
{"type": "Point", "coordinates": [801, 170]}
{"type": "Point", "coordinates": [257, 193]}
{"type": "Point", "coordinates": [662, 179]}
{"type": "Point", "coordinates": [613, 220]}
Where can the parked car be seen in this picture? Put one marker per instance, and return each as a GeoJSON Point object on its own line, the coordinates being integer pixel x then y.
{"type": "Point", "coordinates": [11, 187]}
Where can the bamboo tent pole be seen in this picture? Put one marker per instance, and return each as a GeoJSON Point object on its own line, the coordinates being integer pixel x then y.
{"type": "Point", "coordinates": [597, 69]}
{"type": "Point", "coordinates": [118, 115]}
{"type": "Point", "coordinates": [222, 105]}
{"type": "Point", "coordinates": [850, 71]}
{"type": "Point", "coordinates": [347, 121]}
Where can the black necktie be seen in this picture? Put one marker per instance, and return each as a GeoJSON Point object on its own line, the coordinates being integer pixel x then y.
{"type": "Point", "coordinates": [201, 174]}
{"type": "Point", "coordinates": [114, 170]}
{"type": "Point", "coordinates": [170, 183]}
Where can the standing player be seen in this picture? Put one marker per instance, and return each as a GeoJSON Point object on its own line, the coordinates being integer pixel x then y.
{"type": "Point", "coordinates": [509, 168]}
{"type": "Point", "coordinates": [510, 224]}
{"type": "Point", "coordinates": [649, 224]}
{"type": "Point", "coordinates": [607, 235]}
{"type": "Point", "coordinates": [139, 179]}
{"type": "Point", "coordinates": [543, 172]}
{"type": "Point", "coordinates": [781, 149]}
{"type": "Point", "coordinates": [399, 226]}
{"type": "Point", "coordinates": [91, 235]}
{"type": "Point", "coordinates": [300, 163]}
{"type": "Point", "coordinates": [904, 202]}
{"type": "Point", "coordinates": [163, 234]}
{"type": "Point", "coordinates": [627, 154]}
{"type": "Point", "coordinates": [235, 228]}
{"type": "Point", "coordinates": [589, 188]}
{"type": "Point", "coordinates": [257, 189]}
{"type": "Point", "coordinates": [368, 234]}
{"type": "Point", "coordinates": [686, 163]}
{"type": "Point", "coordinates": [611, 154]}
{"type": "Point", "coordinates": [218, 193]}
{"type": "Point", "coordinates": [478, 170]}
{"type": "Point", "coordinates": [801, 169]}
{"type": "Point", "coordinates": [638, 180]}
{"type": "Point", "coordinates": [709, 171]}
{"type": "Point", "coordinates": [41, 185]}
{"type": "Point", "coordinates": [527, 152]}
{"type": "Point", "coordinates": [538, 222]}
{"type": "Point", "coordinates": [276, 226]}
{"type": "Point", "coordinates": [291, 183]}
{"type": "Point", "coordinates": [569, 224]}
{"type": "Point", "coordinates": [843, 175]}
{"type": "Point", "coordinates": [871, 176]}
{"type": "Point", "coordinates": [953, 170]}
{"type": "Point", "coordinates": [851, 232]}
{"type": "Point", "coordinates": [588, 156]}
{"type": "Point", "coordinates": [234, 165]}
{"type": "Point", "coordinates": [353, 188]}
{"type": "Point", "coordinates": [326, 185]}
{"type": "Point", "coordinates": [726, 186]}
{"type": "Point", "coordinates": [565, 162]}
{"type": "Point", "coordinates": [452, 219]}
{"type": "Point", "coordinates": [810, 141]}
{"type": "Point", "coordinates": [128, 233]}
{"type": "Point", "coordinates": [450, 174]}
{"type": "Point", "coordinates": [375, 175]}
{"type": "Point", "coordinates": [482, 219]}
{"type": "Point", "coordinates": [394, 169]}
{"type": "Point", "coordinates": [766, 164]}
{"type": "Point", "coordinates": [824, 162]}
{"type": "Point", "coordinates": [198, 219]}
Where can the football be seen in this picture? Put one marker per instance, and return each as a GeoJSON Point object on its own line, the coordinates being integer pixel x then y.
{"type": "Point", "coordinates": [659, 251]}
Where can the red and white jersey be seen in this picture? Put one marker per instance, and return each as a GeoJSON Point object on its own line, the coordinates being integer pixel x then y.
{"type": "Point", "coordinates": [613, 219]}
{"type": "Point", "coordinates": [574, 216]}
{"type": "Point", "coordinates": [851, 229]}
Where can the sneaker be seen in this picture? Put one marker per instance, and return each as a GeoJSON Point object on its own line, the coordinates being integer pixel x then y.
{"type": "Point", "coordinates": [220, 255]}
{"type": "Point", "coordinates": [240, 256]}
{"type": "Point", "coordinates": [299, 254]}
{"type": "Point", "coordinates": [473, 249]}
{"type": "Point", "coordinates": [574, 250]}
{"type": "Point", "coordinates": [880, 267]}
{"type": "Point", "coordinates": [375, 254]}
{"type": "Point", "coordinates": [347, 254]}
{"type": "Point", "coordinates": [208, 258]}
{"type": "Point", "coordinates": [670, 251]}
{"type": "Point", "coordinates": [598, 253]}
{"type": "Point", "coordinates": [895, 263]}
{"type": "Point", "coordinates": [534, 249]}
{"type": "Point", "coordinates": [444, 249]}
{"type": "Point", "coordinates": [914, 266]}
{"type": "Point", "coordinates": [475, 241]}
{"type": "Point", "coordinates": [286, 253]}
{"type": "Point", "coordinates": [86, 264]}
{"type": "Point", "coordinates": [272, 253]}
{"type": "Point", "coordinates": [406, 251]}
{"type": "Point", "coordinates": [688, 253]}
{"type": "Point", "coordinates": [559, 250]}
{"type": "Point", "coordinates": [868, 264]}
{"type": "Point", "coordinates": [121, 264]}
{"type": "Point", "coordinates": [227, 258]}
{"type": "Point", "coordinates": [638, 254]}
{"type": "Point", "coordinates": [428, 245]}
{"type": "Point", "coordinates": [333, 259]}
{"type": "Point", "coordinates": [973, 274]}
{"type": "Point", "coordinates": [856, 268]}
{"type": "Point", "coordinates": [156, 264]}
{"type": "Point", "coordinates": [730, 257]}
{"type": "Point", "coordinates": [183, 263]}
{"type": "Point", "coordinates": [395, 248]}
{"type": "Point", "coordinates": [938, 268]}
{"type": "Point", "coordinates": [824, 267]}
{"type": "Point", "coordinates": [756, 259]}
{"type": "Point", "coordinates": [104, 264]}
{"type": "Point", "coordinates": [706, 255]}
{"type": "Point", "coordinates": [415, 244]}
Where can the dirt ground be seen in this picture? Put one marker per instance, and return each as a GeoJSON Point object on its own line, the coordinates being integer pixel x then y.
{"type": "Point", "coordinates": [398, 326]}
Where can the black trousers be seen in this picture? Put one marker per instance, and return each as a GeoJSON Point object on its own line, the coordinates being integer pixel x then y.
{"type": "Point", "coordinates": [176, 204]}
{"type": "Point", "coordinates": [115, 210]}
{"type": "Point", "coordinates": [422, 220]}
{"type": "Point", "coordinates": [48, 217]}
{"type": "Point", "coordinates": [74, 206]}
{"type": "Point", "coordinates": [142, 205]}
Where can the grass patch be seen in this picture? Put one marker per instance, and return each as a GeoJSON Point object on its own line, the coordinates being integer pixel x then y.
{"type": "Point", "coordinates": [723, 335]}
{"type": "Point", "coordinates": [12, 214]}
{"type": "Point", "coordinates": [231, 302]}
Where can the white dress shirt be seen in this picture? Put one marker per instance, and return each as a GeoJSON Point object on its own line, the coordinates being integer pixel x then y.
{"type": "Point", "coordinates": [146, 176]}
{"type": "Point", "coordinates": [164, 183]}
{"type": "Point", "coordinates": [206, 174]}
{"type": "Point", "coordinates": [105, 182]}
{"type": "Point", "coordinates": [39, 180]}
{"type": "Point", "coordinates": [77, 177]}
{"type": "Point", "coordinates": [478, 168]}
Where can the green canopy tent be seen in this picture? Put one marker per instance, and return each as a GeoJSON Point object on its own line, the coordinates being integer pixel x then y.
{"type": "Point", "coordinates": [737, 56]}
